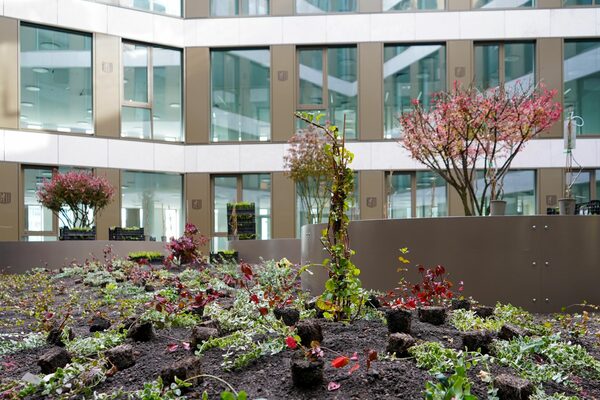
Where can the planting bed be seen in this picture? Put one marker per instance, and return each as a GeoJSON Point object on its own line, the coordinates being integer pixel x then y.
{"type": "Point", "coordinates": [251, 350]}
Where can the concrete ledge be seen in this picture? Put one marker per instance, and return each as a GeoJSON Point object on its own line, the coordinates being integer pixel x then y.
{"type": "Point", "coordinates": [18, 257]}
{"type": "Point", "coordinates": [541, 263]}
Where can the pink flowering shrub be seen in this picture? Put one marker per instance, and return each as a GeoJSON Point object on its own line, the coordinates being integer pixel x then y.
{"type": "Point", "coordinates": [186, 249]}
{"type": "Point", "coordinates": [72, 196]}
{"type": "Point", "coordinates": [466, 130]}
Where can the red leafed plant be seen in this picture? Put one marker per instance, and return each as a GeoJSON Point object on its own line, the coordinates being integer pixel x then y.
{"type": "Point", "coordinates": [186, 249]}
{"type": "Point", "coordinates": [74, 195]}
{"type": "Point", "coordinates": [185, 302]}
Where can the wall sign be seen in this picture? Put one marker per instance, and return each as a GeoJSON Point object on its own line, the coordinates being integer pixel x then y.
{"type": "Point", "coordinates": [5, 197]}
{"type": "Point", "coordinates": [196, 204]}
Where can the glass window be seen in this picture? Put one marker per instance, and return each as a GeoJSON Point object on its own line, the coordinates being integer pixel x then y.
{"type": "Point", "coordinates": [328, 82]}
{"type": "Point", "coordinates": [410, 72]}
{"type": "Point", "coordinates": [404, 5]}
{"type": "Point", "coordinates": [39, 221]}
{"type": "Point", "coordinates": [153, 201]}
{"type": "Point", "coordinates": [511, 63]}
{"type": "Point", "coordinates": [240, 95]}
{"type": "Point", "coordinates": [581, 77]}
{"type": "Point", "coordinates": [251, 188]}
{"type": "Point", "coordinates": [56, 80]}
{"type": "Point", "coordinates": [325, 6]}
{"type": "Point", "coordinates": [597, 173]}
{"type": "Point", "coordinates": [169, 7]}
{"type": "Point", "coordinates": [430, 199]}
{"type": "Point", "coordinates": [152, 93]}
{"type": "Point", "coordinates": [580, 2]}
{"type": "Point", "coordinates": [353, 211]}
{"type": "Point", "coordinates": [502, 3]}
{"type": "Point", "coordinates": [581, 189]}
{"type": "Point", "coordinates": [519, 192]}
{"type": "Point", "coordinates": [229, 8]}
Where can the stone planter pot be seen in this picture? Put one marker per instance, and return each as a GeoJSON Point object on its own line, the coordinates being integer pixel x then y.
{"type": "Point", "coordinates": [306, 373]}
{"type": "Point", "coordinates": [398, 320]}
{"type": "Point", "coordinates": [566, 206]}
{"type": "Point", "coordinates": [497, 207]}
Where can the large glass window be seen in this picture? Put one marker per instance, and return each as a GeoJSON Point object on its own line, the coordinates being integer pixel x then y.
{"type": "Point", "coordinates": [153, 201]}
{"type": "Point", "coordinates": [169, 7]}
{"type": "Point", "coordinates": [581, 189]}
{"type": "Point", "coordinates": [251, 188]}
{"type": "Point", "coordinates": [581, 77]}
{"type": "Point", "coordinates": [502, 3]}
{"type": "Point", "coordinates": [240, 95]}
{"type": "Point", "coordinates": [580, 2]}
{"type": "Point", "coordinates": [325, 6]}
{"type": "Point", "coordinates": [40, 222]}
{"type": "Point", "coordinates": [519, 192]}
{"type": "Point", "coordinates": [230, 8]}
{"type": "Point", "coordinates": [509, 63]}
{"type": "Point", "coordinates": [410, 72]}
{"type": "Point", "coordinates": [328, 82]}
{"type": "Point", "coordinates": [429, 199]}
{"type": "Point", "coordinates": [353, 211]}
{"type": "Point", "coordinates": [405, 5]}
{"type": "Point", "coordinates": [56, 80]}
{"type": "Point", "coordinates": [152, 93]}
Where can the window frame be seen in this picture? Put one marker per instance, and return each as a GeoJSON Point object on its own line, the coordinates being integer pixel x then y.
{"type": "Point", "coordinates": [239, 14]}
{"type": "Point", "coordinates": [444, 8]}
{"type": "Point", "coordinates": [413, 190]}
{"type": "Point", "coordinates": [149, 105]}
{"type": "Point", "coordinates": [356, 11]}
{"type": "Point", "coordinates": [502, 57]}
{"type": "Point", "coordinates": [592, 184]}
{"type": "Point", "coordinates": [534, 5]}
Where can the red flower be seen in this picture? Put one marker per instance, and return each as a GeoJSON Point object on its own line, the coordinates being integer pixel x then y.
{"type": "Point", "coordinates": [291, 342]}
{"type": "Point", "coordinates": [340, 362]}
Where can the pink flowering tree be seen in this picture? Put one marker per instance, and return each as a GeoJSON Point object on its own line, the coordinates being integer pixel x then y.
{"type": "Point", "coordinates": [466, 131]}
{"type": "Point", "coordinates": [308, 166]}
{"type": "Point", "coordinates": [76, 197]}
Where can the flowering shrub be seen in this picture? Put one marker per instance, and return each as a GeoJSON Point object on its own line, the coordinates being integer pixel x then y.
{"type": "Point", "coordinates": [466, 130]}
{"type": "Point", "coordinates": [72, 196]}
{"type": "Point", "coordinates": [186, 249]}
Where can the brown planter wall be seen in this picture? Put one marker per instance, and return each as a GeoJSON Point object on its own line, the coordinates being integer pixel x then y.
{"type": "Point", "coordinates": [18, 257]}
{"type": "Point", "coordinates": [541, 263]}
{"type": "Point", "coordinates": [251, 251]}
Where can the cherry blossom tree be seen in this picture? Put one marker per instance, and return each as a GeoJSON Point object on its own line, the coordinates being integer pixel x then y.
{"type": "Point", "coordinates": [470, 138]}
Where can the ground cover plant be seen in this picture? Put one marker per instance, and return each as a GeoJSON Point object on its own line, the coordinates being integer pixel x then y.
{"type": "Point", "coordinates": [123, 329]}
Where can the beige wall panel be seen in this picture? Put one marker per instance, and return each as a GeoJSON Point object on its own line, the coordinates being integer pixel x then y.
{"type": "Point", "coordinates": [370, 91]}
{"type": "Point", "coordinates": [372, 194]}
{"type": "Point", "coordinates": [198, 203]}
{"type": "Point", "coordinates": [107, 85]}
{"type": "Point", "coordinates": [197, 8]}
{"type": "Point", "coordinates": [283, 203]}
{"type": "Point", "coordinates": [9, 73]}
{"type": "Point", "coordinates": [458, 5]}
{"type": "Point", "coordinates": [111, 215]}
{"type": "Point", "coordinates": [459, 54]}
{"type": "Point", "coordinates": [197, 95]}
{"type": "Point", "coordinates": [549, 3]}
{"type": "Point", "coordinates": [283, 99]}
{"type": "Point", "coordinates": [369, 6]}
{"type": "Point", "coordinates": [282, 7]}
{"type": "Point", "coordinates": [9, 201]}
{"type": "Point", "coordinates": [455, 205]}
{"type": "Point", "coordinates": [549, 54]}
{"type": "Point", "coordinates": [550, 188]}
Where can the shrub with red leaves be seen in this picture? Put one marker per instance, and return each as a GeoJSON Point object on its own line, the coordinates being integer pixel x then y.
{"type": "Point", "coordinates": [186, 249]}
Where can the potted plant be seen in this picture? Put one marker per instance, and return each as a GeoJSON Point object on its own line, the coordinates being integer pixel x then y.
{"type": "Point", "coordinates": [497, 204]}
{"type": "Point", "coordinates": [76, 198]}
{"type": "Point", "coordinates": [150, 257]}
{"type": "Point", "coordinates": [126, 233]}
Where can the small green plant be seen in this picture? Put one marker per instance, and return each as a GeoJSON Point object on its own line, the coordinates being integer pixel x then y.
{"type": "Point", "coordinates": [98, 342]}
{"type": "Point", "coordinates": [454, 387]}
{"type": "Point", "coordinates": [14, 342]}
{"type": "Point", "coordinates": [145, 255]}
{"type": "Point", "coordinates": [467, 320]}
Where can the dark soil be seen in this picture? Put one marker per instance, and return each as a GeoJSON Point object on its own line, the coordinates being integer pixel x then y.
{"type": "Point", "coordinates": [270, 377]}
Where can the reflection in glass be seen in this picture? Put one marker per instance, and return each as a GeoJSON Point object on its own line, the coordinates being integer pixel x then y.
{"type": "Point", "coordinates": [37, 217]}
{"type": "Point", "coordinates": [431, 195]}
{"type": "Point", "coordinates": [517, 67]}
{"type": "Point", "coordinates": [170, 7]}
{"type": "Point", "coordinates": [581, 77]}
{"type": "Point", "coordinates": [581, 187]}
{"type": "Point", "coordinates": [502, 3]}
{"type": "Point", "coordinates": [256, 188]}
{"type": "Point", "coordinates": [230, 8]}
{"type": "Point", "coordinates": [341, 97]}
{"type": "Point", "coordinates": [580, 2]}
{"type": "Point", "coordinates": [410, 72]}
{"type": "Point", "coordinates": [403, 5]}
{"type": "Point", "coordinates": [225, 191]}
{"type": "Point", "coordinates": [519, 192]}
{"type": "Point", "coordinates": [153, 201]}
{"type": "Point", "coordinates": [135, 123]}
{"type": "Point", "coordinates": [324, 6]}
{"type": "Point", "coordinates": [400, 195]}
{"type": "Point", "coordinates": [241, 101]}
{"type": "Point", "coordinates": [135, 73]}
{"type": "Point", "coordinates": [56, 80]}
{"type": "Point", "coordinates": [487, 66]}
{"type": "Point", "coordinates": [167, 110]}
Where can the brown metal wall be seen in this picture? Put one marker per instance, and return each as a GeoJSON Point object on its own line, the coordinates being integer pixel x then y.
{"type": "Point", "coordinates": [9, 73]}
{"type": "Point", "coordinates": [251, 251]}
{"type": "Point", "coordinates": [370, 91]}
{"type": "Point", "coordinates": [283, 99]}
{"type": "Point", "coordinates": [550, 186]}
{"type": "Point", "coordinates": [283, 203]}
{"type": "Point", "coordinates": [9, 201]}
{"type": "Point", "coordinates": [107, 85]}
{"type": "Point", "coordinates": [369, 6]}
{"type": "Point", "coordinates": [459, 54]}
{"type": "Point", "coordinates": [197, 8]}
{"type": "Point", "coordinates": [197, 95]}
{"type": "Point", "coordinates": [549, 54]}
{"type": "Point", "coordinates": [198, 202]}
{"type": "Point", "coordinates": [282, 7]}
{"type": "Point", "coordinates": [458, 5]}
{"type": "Point", "coordinates": [111, 215]}
{"type": "Point", "coordinates": [533, 262]}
